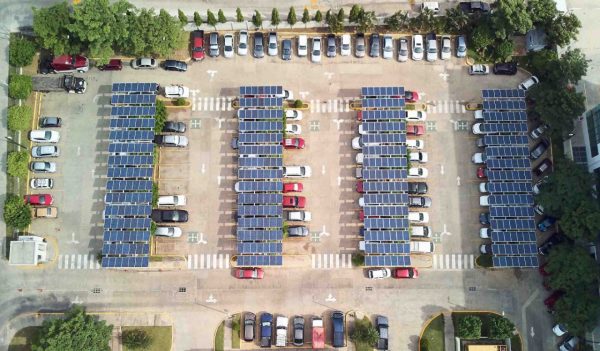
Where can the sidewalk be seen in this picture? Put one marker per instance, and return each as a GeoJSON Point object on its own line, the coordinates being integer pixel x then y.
{"type": "Point", "coordinates": [449, 332]}
{"type": "Point", "coordinates": [227, 333]}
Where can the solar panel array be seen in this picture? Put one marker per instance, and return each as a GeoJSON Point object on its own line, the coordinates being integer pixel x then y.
{"type": "Point", "coordinates": [509, 179]}
{"type": "Point", "coordinates": [260, 176]}
{"type": "Point", "coordinates": [385, 187]}
{"type": "Point", "coordinates": [130, 168]}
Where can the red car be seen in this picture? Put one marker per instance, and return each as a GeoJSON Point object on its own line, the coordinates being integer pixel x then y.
{"type": "Point", "coordinates": [361, 215]}
{"type": "Point", "coordinates": [411, 96]}
{"type": "Point", "coordinates": [551, 300]}
{"type": "Point", "coordinates": [360, 186]}
{"type": "Point", "coordinates": [39, 199]}
{"type": "Point", "coordinates": [292, 187]}
{"type": "Point", "coordinates": [359, 116]}
{"type": "Point", "coordinates": [481, 173]}
{"type": "Point", "coordinates": [542, 270]}
{"type": "Point", "coordinates": [294, 201]}
{"type": "Point", "coordinates": [198, 45]}
{"type": "Point", "coordinates": [413, 129]}
{"type": "Point", "coordinates": [406, 273]}
{"type": "Point", "coordinates": [249, 273]}
{"type": "Point", "coordinates": [70, 63]}
{"type": "Point", "coordinates": [112, 65]}
{"type": "Point", "coordinates": [293, 143]}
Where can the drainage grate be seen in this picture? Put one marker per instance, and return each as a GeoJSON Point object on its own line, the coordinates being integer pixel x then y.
{"type": "Point", "coordinates": [96, 290]}
{"type": "Point", "coordinates": [182, 289]}
{"type": "Point", "coordinates": [368, 288]}
{"type": "Point", "coordinates": [472, 288]}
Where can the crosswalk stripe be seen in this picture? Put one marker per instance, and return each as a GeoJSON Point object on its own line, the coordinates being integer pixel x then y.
{"type": "Point", "coordinates": [196, 261]}
{"type": "Point", "coordinates": [227, 261]}
{"type": "Point", "coordinates": [459, 261]}
{"type": "Point", "coordinates": [78, 261]}
{"type": "Point", "coordinates": [471, 261]}
{"type": "Point", "coordinates": [318, 106]}
{"type": "Point", "coordinates": [335, 106]}
{"type": "Point", "coordinates": [312, 106]}
{"type": "Point", "coordinates": [201, 261]}
{"type": "Point", "coordinates": [67, 261]}
{"type": "Point", "coordinates": [454, 262]}
{"type": "Point", "coordinates": [189, 261]}
{"type": "Point", "coordinates": [220, 261]}
{"type": "Point", "coordinates": [93, 261]}
{"type": "Point", "coordinates": [314, 261]}
{"type": "Point", "coordinates": [85, 261]}
{"type": "Point", "coordinates": [214, 260]}
{"type": "Point", "coordinates": [229, 99]}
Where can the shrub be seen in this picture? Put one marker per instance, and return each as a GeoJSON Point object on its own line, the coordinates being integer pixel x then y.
{"type": "Point", "coordinates": [239, 17]}
{"type": "Point", "coordinates": [298, 103]}
{"type": "Point", "coordinates": [221, 15]}
{"type": "Point", "coordinates": [182, 17]}
{"type": "Point", "coordinates": [358, 260]}
{"type": "Point", "coordinates": [318, 16]}
{"type": "Point", "coordinates": [19, 117]}
{"type": "Point", "coordinates": [17, 164]}
{"type": "Point", "coordinates": [180, 102]}
{"type": "Point", "coordinates": [16, 212]}
{"type": "Point", "coordinates": [19, 86]}
{"type": "Point", "coordinates": [160, 117]}
{"type": "Point", "coordinates": [469, 327]}
{"type": "Point", "coordinates": [136, 339]}
{"type": "Point", "coordinates": [20, 52]}
{"type": "Point", "coordinates": [500, 327]}
{"type": "Point", "coordinates": [154, 194]}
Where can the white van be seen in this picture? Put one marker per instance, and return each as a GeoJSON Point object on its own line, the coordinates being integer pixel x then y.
{"type": "Point", "coordinates": [177, 91]}
{"type": "Point", "coordinates": [302, 45]}
{"type": "Point", "coordinates": [432, 5]}
{"type": "Point", "coordinates": [422, 247]}
{"type": "Point", "coordinates": [419, 231]}
{"type": "Point", "coordinates": [171, 200]}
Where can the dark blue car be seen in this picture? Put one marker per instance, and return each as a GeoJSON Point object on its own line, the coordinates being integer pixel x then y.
{"type": "Point", "coordinates": [266, 326]}
{"type": "Point", "coordinates": [337, 319]}
{"type": "Point", "coordinates": [546, 223]}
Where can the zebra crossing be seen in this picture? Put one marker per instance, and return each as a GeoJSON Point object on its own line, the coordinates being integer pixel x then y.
{"type": "Point", "coordinates": [330, 106]}
{"type": "Point", "coordinates": [446, 106]}
{"type": "Point", "coordinates": [331, 261]}
{"type": "Point", "coordinates": [208, 261]}
{"type": "Point", "coordinates": [219, 103]}
{"type": "Point", "coordinates": [453, 261]}
{"type": "Point", "coordinates": [78, 261]}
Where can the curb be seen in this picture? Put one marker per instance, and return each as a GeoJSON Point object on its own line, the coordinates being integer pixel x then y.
{"type": "Point", "coordinates": [427, 322]}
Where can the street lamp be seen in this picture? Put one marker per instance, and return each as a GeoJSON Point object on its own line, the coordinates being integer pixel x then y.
{"type": "Point", "coordinates": [10, 140]}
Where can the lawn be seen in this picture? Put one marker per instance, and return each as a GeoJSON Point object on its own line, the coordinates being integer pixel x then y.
{"type": "Point", "coordinates": [433, 336]}
{"type": "Point", "coordinates": [23, 339]}
{"type": "Point", "coordinates": [161, 337]}
{"type": "Point", "coordinates": [219, 343]}
{"type": "Point", "coordinates": [235, 333]}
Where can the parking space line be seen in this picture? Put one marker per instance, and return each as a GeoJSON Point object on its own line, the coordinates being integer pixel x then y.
{"type": "Point", "coordinates": [60, 261]}
{"type": "Point", "coordinates": [78, 261]}
{"type": "Point", "coordinates": [189, 262]}
{"type": "Point", "coordinates": [226, 261]}
{"type": "Point", "coordinates": [201, 261]}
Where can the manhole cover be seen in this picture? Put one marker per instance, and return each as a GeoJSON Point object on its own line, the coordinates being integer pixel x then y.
{"type": "Point", "coordinates": [369, 288]}
{"type": "Point", "coordinates": [182, 289]}
{"type": "Point", "coordinates": [96, 290]}
{"type": "Point", "coordinates": [472, 288]}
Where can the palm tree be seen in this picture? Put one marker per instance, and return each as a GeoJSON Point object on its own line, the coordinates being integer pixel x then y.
{"type": "Point", "coordinates": [456, 21]}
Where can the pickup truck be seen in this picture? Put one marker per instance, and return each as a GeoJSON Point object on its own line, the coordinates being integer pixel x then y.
{"type": "Point", "coordinates": [67, 83]}
{"type": "Point", "coordinates": [282, 323]}
{"type": "Point", "coordinates": [266, 324]}
{"type": "Point", "coordinates": [382, 328]}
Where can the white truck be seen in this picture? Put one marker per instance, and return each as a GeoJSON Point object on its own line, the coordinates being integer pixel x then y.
{"type": "Point", "coordinates": [281, 331]}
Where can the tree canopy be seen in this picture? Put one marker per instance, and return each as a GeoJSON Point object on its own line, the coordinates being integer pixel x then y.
{"type": "Point", "coordinates": [541, 11]}
{"type": "Point", "coordinates": [558, 107]}
{"type": "Point", "coordinates": [569, 266]}
{"type": "Point", "coordinates": [510, 17]}
{"type": "Point", "coordinates": [291, 17]}
{"type": "Point", "coordinates": [20, 52]}
{"type": "Point", "coordinates": [563, 29]}
{"type": "Point", "coordinates": [468, 327]}
{"type": "Point", "coordinates": [578, 309]}
{"type": "Point", "coordinates": [17, 213]}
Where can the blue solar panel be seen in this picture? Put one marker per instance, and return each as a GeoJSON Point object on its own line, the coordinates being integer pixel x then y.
{"type": "Point", "coordinates": [504, 116]}
{"type": "Point", "coordinates": [138, 99]}
{"type": "Point", "coordinates": [500, 236]}
{"type": "Point", "coordinates": [512, 199]}
{"type": "Point", "coordinates": [259, 260]}
{"type": "Point", "coordinates": [259, 162]}
{"type": "Point", "coordinates": [387, 261]}
{"type": "Point", "coordinates": [384, 187]}
{"type": "Point", "coordinates": [386, 223]}
{"type": "Point", "coordinates": [502, 93]}
{"type": "Point", "coordinates": [504, 128]}
{"type": "Point", "coordinates": [260, 102]}
{"type": "Point", "coordinates": [132, 123]}
{"type": "Point", "coordinates": [381, 115]}
{"type": "Point", "coordinates": [129, 172]}
{"type": "Point", "coordinates": [260, 248]}
{"type": "Point", "coordinates": [127, 210]}
{"type": "Point", "coordinates": [260, 222]}
{"type": "Point", "coordinates": [151, 88]}
{"type": "Point", "coordinates": [514, 140]}
{"type": "Point", "coordinates": [383, 199]}
{"type": "Point", "coordinates": [260, 150]}
{"type": "Point", "coordinates": [125, 262]}
{"type": "Point", "coordinates": [127, 223]}
{"type": "Point", "coordinates": [384, 162]}
{"type": "Point", "coordinates": [504, 105]}
{"type": "Point", "coordinates": [126, 236]}
{"type": "Point", "coordinates": [133, 148]}
{"type": "Point", "coordinates": [384, 174]}
{"type": "Point", "coordinates": [125, 249]}
{"type": "Point", "coordinates": [369, 150]}
{"type": "Point", "coordinates": [385, 211]}
{"type": "Point", "coordinates": [260, 114]}
{"type": "Point", "coordinates": [259, 235]}
{"type": "Point", "coordinates": [387, 235]}
{"type": "Point", "coordinates": [514, 249]}
{"type": "Point", "coordinates": [381, 139]}
{"type": "Point", "coordinates": [133, 185]}
{"type": "Point", "coordinates": [383, 103]}
{"type": "Point", "coordinates": [382, 92]}
{"type": "Point", "coordinates": [261, 126]}
{"type": "Point", "coordinates": [515, 261]}
{"type": "Point", "coordinates": [511, 212]}
{"type": "Point", "coordinates": [135, 160]}
{"type": "Point", "coordinates": [387, 127]}
{"type": "Point", "coordinates": [260, 199]}
{"type": "Point", "coordinates": [131, 135]}
{"type": "Point", "coordinates": [512, 224]}
{"type": "Point", "coordinates": [508, 163]}
{"type": "Point", "coordinates": [260, 138]}
{"type": "Point", "coordinates": [260, 173]}
{"type": "Point", "coordinates": [385, 248]}
{"type": "Point", "coordinates": [132, 111]}
{"type": "Point", "coordinates": [506, 151]}
{"type": "Point", "coordinates": [128, 198]}
{"type": "Point", "coordinates": [244, 186]}
{"type": "Point", "coordinates": [497, 176]}
{"type": "Point", "coordinates": [266, 90]}
{"type": "Point", "coordinates": [258, 210]}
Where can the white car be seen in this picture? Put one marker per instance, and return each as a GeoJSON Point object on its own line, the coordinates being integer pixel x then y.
{"type": "Point", "coordinates": [418, 217]}
{"type": "Point", "coordinates": [357, 143]}
{"type": "Point", "coordinates": [177, 91]}
{"type": "Point", "coordinates": [477, 128]}
{"type": "Point", "coordinates": [479, 70]}
{"type": "Point", "coordinates": [484, 233]}
{"type": "Point", "coordinates": [171, 232]}
{"type": "Point", "coordinates": [293, 115]}
{"type": "Point", "coordinates": [418, 172]}
{"type": "Point", "coordinates": [483, 187]}
{"type": "Point", "coordinates": [478, 158]}
{"type": "Point", "coordinates": [379, 273]}
{"type": "Point", "coordinates": [388, 47]}
{"type": "Point", "coordinates": [316, 50]}
{"type": "Point", "coordinates": [44, 136]}
{"type": "Point", "coordinates": [242, 48]}
{"type": "Point", "coordinates": [172, 200]}
{"type": "Point", "coordinates": [403, 50]}
{"type": "Point", "coordinates": [171, 140]}
{"type": "Point", "coordinates": [415, 144]}
{"type": "Point", "coordinates": [41, 183]}
{"type": "Point", "coordinates": [526, 85]}
{"type": "Point", "coordinates": [272, 47]}
{"type": "Point", "coordinates": [360, 157]}
{"type": "Point", "coordinates": [484, 200]}
{"type": "Point", "coordinates": [302, 45]}
{"type": "Point", "coordinates": [431, 48]}
{"type": "Point", "coordinates": [420, 157]}
{"type": "Point", "coordinates": [417, 47]}
{"type": "Point", "coordinates": [42, 167]}
{"type": "Point", "coordinates": [300, 216]}
{"type": "Point", "coordinates": [45, 151]}
{"type": "Point", "coordinates": [345, 45]}
{"type": "Point", "coordinates": [478, 115]}
{"type": "Point", "coordinates": [559, 330]}
{"type": "Point", "coordinates": [446, 52]}
{"type": "Point", "coordinates": [228, 45]}
{"type": "Point", "coordinates": [297, 171]}
{"type": "Point", "coordinates": [293, 129]}
{"type": "Point", "coordinates": [412, 115]}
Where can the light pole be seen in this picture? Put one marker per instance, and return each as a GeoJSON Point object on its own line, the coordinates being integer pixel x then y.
{"type": "Point", "coordinates": [10, 140]}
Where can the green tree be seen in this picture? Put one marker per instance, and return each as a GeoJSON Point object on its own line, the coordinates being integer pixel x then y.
{"type": "Point", "coordinates": [152, 34]}
{"type": "Point", "coordinates": [500, 328]}
{"type": "Point", "coordinates": [558, 107]}
{"type": "Point", "coordinates": [275, 20]}
{"type": "Point", "coordinates": [160, 116]}
{"type": "Point", "coordinates": [92, 25]}
{"type": "Point", "coordinates": [335, 25]}
{"type": "Point", "coordinates": [305, 16]}
{"type": "Point", "coordinates": [16, 165]}
{"type": "Point", "coordinates": [136, 339]}
{"type": "Point", "coordinates": [456, 21]}
{"type": "Point", "coordinates": [503, 51]}
{"type": "Point", "coordinates": [538, 62]}
{"type": "Point", "coordinates": [291, 17]}
{"type": "Point", "coordinates": [19, 86]}
{"type": "Point", "coordinates": [17, 213]}
{"type": "Point", "coordinates": [341, 15]}
{"type": "Point", "coordinates": [327, 16]}
{"type": "Point", "coordinates": [257, 19]}
{"type": "Point", "coordinates": [197, 19]}
{"type": "Point", "coordinates": [221, 15]}
{"type": "Point", "coordinates": [563, 29]}
{"type": "Point", "coordinates": [19, 117]}
{"type": "Point", "coordinates": [318, 16]}
{"type": "Point", "coordinates": [20, 52]}
{"type": "Point", "coordinates": [182, 17]}
{"type": "Point", "coordinates": [583, 222]}
{"type": "Point", "coordinates": [77, 331]}
{"type": "Point", "coordinates": [398, 22]}
{"type": "Point", "coordinates": [541, 11]}
{"type": "Point", "coordinates": [482, 37]}
{"type": "Point", "coordinates": [569, 266]}
{"type": "Point", "coordinates": [572, 66]}
{"type": "Point", "coordinates": [578, 310]}
{"type": "Point", "coordinates": [510, 17]}
{"type": "Point", "coordinates": [211, 19]}
{"type": "Point", "coordinates": [366, 21]}
{"type": "Point", "coordinates": [364, 332]}
{"type": "Point", "coordinates": [354, 13]}
{"type": "Point", "coordinates": [50, 25]}
{"type": "Point", "coordinates": [423, 22]}
{"type": "Point", "coordinates": [239, 17]}
{"type": "Point", "coordinates": [468, 327]}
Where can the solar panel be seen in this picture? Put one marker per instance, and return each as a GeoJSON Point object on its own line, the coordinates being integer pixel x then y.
{"type": "Point", "coordinates": [515, 261]}
{"type": "Point", "coordinates": [387, 261]}
{"type": "Point", "coordinates": [384, 174]}
{"type": "Point", "coordinates": [387, 235]}
{"type": "Point", "coordinates": [260, 114]}
{"type": "Point", "coordinates": [385, 211]}
{"type": "Point", "coordinates": [512, 224]}
{"type": "Point", "coordinates": [138, 99]}
{"type": "Point", "coordinates": [382, 92]}
{"type": "Point", "coordinates": [127, 223]}
{"type": "Point", "coordinates": [258, 210]}
{"type": "Point", "coordinates": [260, 199]}
{"type": "Point", "coordinates": [129, 172]}
{"type": "Point", "coordinates": [385, 199]}
{"type": "Point", "coordinates": [256, 162]}
{"type": "Point", "coordinates": [125, 262]}
{"type": "Point", "coordinates": [514, 249]}
{"type": "Point", "coordinates": [384, 187]}
{"type": "Point", "coordinates": [384, 162]}
{"type": "Point", "coordinates": [504, 116]}
{"type": "Point", "coordinates": [127, 210]}
{"type": "Point", "coordinates": [502, 93]}
{"type": "Point", "coordinates": [506, 128]}
{"type": "Point", "coordinates": [259, 260]}
{"type": "Point", "coordinates": [387, 248]}
{"type": "Point", "coordinates": [131, 135]}
{"type": "Point", "coordinates": [506, 151]}
{"type": "Point", "coordinates": [497, 176]}
{"type": "Point", "coordinates": [126, 111]}
{"type": "Point", "coordinates": [381, 115]}
{"type": "Point", "coordinates": [508, 163]}
{"type": "Point", "coordinates": [267, 90]}
{"type": "Point", "coordinates": [260, 222]}
{"type": "Point", "coordinates": [126, 249]}
{"type": "Point", "coordinates": [135, 160]}
{"type": "Point", "coordinates": [260, 102]}
{"type": "Point", "coordinates": [132, 123]}
{"type": "Point", "coordinates": [151, 88]}
{"type": "Point", "coordinates": [244, 186]}
{"type": "Point", "coordinates": [502, 236]}
{"type": "Point", "coordinates": [493, 187]}
{"type": "Point", "coordinates": [380, 139]}
{"type": "Point", "coordinates": [514, 140]}
{"type": "Point", "coordinates": [260, 248]}
{"type": "Point", "coordinates": [504, 105]}
{"type": "Point", "coordinates": [259, 235]}
{"type": "Point", "coordinates": [260, 150]}
{"type": "Point", "coordinates": [386, 223]}
{"type": "Point", "coordinates": [387, 127]}
{"type": "Point", "coordinates": [383, 103]}
{"type": "Point", "coordinates": [512, 199]}
{"type": "Point", "coordinates": [133, 185]}
{"type": "Point", "coordinates": [260, 173]}
{"type": "Point", "coordinates": [126, 236]}
{"type": "Point", "coordinates": [370, 150]}
{"type": "Point", "coordinates": [511, 212]}
{"type": "Point", "coordinates": [131, 148]}
{"type": "Point", "coordinates": [260, 138]}
{"type": "Point", "coordinates": [261, 126]}
{"type": "Point", "coordinates": [128, 198]}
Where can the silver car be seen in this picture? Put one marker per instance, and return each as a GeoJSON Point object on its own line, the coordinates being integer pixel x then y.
{"type": "Point", "coordinates": [44, 151]}
{"type": "Point", "coordinates": [403, 50]}
{"type": "Point", "coordinates": [359, 46]}
{"type": "Point", "coordinates": [242, 48]}
{"type": "Point", "coordinates": [388, 47]}
{"type": "Point", "coordinates": [42, 167]}
{"type": "Point", "coordinates": [273, 48]}
{"type": "Point", "coordinates": [461, 46]}
{"type": "Point", "coordinates": [144, 62]}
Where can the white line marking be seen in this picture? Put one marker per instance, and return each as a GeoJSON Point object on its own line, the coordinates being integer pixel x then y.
{"type": "Point", "coordinates": [202, 261]}
{"type": "Point", "coordinates": [227, 261]}
{"type": "Point", "coordinates": [60, 261]}
{"type": "Point", "coordinates": [189, 261]}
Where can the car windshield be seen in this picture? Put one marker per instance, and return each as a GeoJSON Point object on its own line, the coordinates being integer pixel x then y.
{"type": "Point", "coordinates": [272, 46]}
{"type": "Point", "coordinates": [316, 52]}
{"type": "Point", "coordinates": [446, 49]}
{"type": "Point", "coordinates": [418, 50]}
{"type": "Point", "coordinates": [345, 46]}
{"type": "Point", "coordinates": [432, 50]}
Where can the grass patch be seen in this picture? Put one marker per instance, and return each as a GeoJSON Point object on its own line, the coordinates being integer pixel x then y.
{"type": "Point", "coordinates": [433, 337]}
{"type": "Point", "coordinates": [361, 346]}
{"type": "Point", "coordinates": [484, 261]}
{"type": "Point", "coordinates": [156, 258]}
{"type": "Point", "coordinates": [161, 337]}
{"type": "Point", "coordinates": [219, 342]}
{"type": "Point", "coordinates": [515, 343]}
{"type": "Point", "coordinates": [23, 339]}
{"type": "Point", "coordinates": [235, 334]}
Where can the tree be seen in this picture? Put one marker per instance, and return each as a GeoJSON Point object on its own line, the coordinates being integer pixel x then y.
{"type": "Point", "coordinates": [20, 52]}
{"type": "Point", "coordinates": [17, 213]}
{"type": "Point", "coordinates": [16, 165]}
{"type": "Point", "coordinates": [366, 21]}
{"type": "Point", "coordinates": [257, 19]}
{"type": "Point", "coordinates": [136, 339]}
{"type": "Point", "coordinates": [318, 16]}
{"type": "Point", "coordinates": [19, 86]}
{"type": "Point", "coordinates": [211, 19]}
{"type": "Point", "coordinates": [354, 13]}
{"type": "Point", "coordinates": [578, 310]}
{"type": "Point", "coordinates": [50, 26]}
{"type": "Point", "coordinates": [572, 66]}
{"type": "Point", "coordinates": [510, 17]}
{"type": "Point", "coordinates": [77, 331]}
{"type": "Point", "coordinates": [397, 22]}
{"type": "Point", "coordinates": [538, 62]}
{"type": "Point", "coordinates": [456, 21]}
{"type": "Point", "coordinates": [221, 15]}
{"type": "Point", "coordinates": [500, 328]}
{"type": "Point", "coordinates": [341, 15]}
{"type": "Point", "coordinates": [291, 17]}
{"type": "Point", "coordinates": [182, 17]}
{"type": "Point", "coordinates": [197, 19]}
{"type": "Point", "coordinates": [335, 25]}
{"type": "Point", "coordinates": [582, 223]}
{"type": "Point", "coordinates": [569, 266]}
{"type": "Point", "coordinates": [305, 16]}
{"type": "Point", "coordinates": [503, 51]}
{"type": "Point", "coordinates": [19, 117]}
{"type": "Point", "coordinates": [563, 29]}
{"type": "Point", "coordinates": [468, 327]}
{"type": "Point", "coordinates": [541, 11]}
{"type": "Point", "coordinates": [482, 37]}
{"type": "Point", "coordinates": [558, 107]}
{"type": "Point", "coordinates": [424, 21]}
{"type": "Point", "coordinates": [327, 16]}
{"type": "Point", "coordinates": [152, 34]}
{"type": "Point", "coordinates": [160, 117]}
{"type": "Point", "coordinates": [275, 17]}
{"type": "Point", "coordinates": [364, 332]}
{"type": "Point", "coordinates": [239, 17]}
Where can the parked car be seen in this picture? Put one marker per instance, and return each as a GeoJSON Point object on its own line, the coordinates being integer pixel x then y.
{"type": "Point", "coordinates": [559, 329]}
{"type": "Point", "coordinates": [553, 240]}
{"type": "Point", "coordinates": [273, 47]}
{"type": "Point", "coordinates": [44, 212]}
{"type": "Point", "coordinates": [299, 216]}
{"type": "Point", "coordinates": [213, 44]}
{"type": "Point", "coordinates": [198, 45]}
{"type": "Point", "coordinates": [228, 46]}
{"type": "Point", "coordinates": [479, 70]}
{"type": "Point", "coordinates": [417, 172]}
{"type": "Point", "coordinates": [538, 131]}
{"type": "Point", "coordinates": [316, 49]}
{"type": "Point", "coordinates": [484, 218]}
{"type": "Point", "coordinates": [171, 232]}
{"type": "Point", "coordinates": [543, 167]}
{"type": "Point", "coordinates": [406, 273]}
{"type": "Point", "coordinates": [415, 144]}
{"type": "Point", "coordinates": [382, 326]}
{"type": "Point", "coordinates": [418, 217]}
{"type": "Point", "coordinates": [538, 185]}
{"type": "Point", "coordinates": [379, 273]}
{"type": "Point", "coordinates": [507, 68]}
{"type": "Point", "coordinates": [337, 321]}
{"type": "Point", "coordinates": [539, 149]}
{"type": "Point", "coordinates": [331, 45]}
{"type": "Point", "coordinates": [286, 49]}
{"type": "Point", "coordinates": [546, 223]}
{"type": "Point", "coordinates": [461, 46]}
{"type": "Point", "coordinates": [160, 216]}
{"type": "Point", "coordinates": [411, 96]}
{"type": "Point", "coordinates": [481, 172]}
{"type": "Point", "coordinates": [112, 65]}
{"type": "Point", "coordinates": [388, 47]}
{"type": "Point", "coordinates": [471, 7]}
{"type": "Point", "coordinates": [45, 151]}
{"type": "Point", "coordinates": [266, 329]}
{"type": "Point", "coordinates": [176, 91]}
{"type": "Point", "coordinates": [302, 45]}
{"type": "Point", "coordinates": [172, 200]}
{"type": "Point", "coordinates": [42, 167]}
{"type": "Point", "coordinates": [171, 140]}
{"type": "Point", "coordinates": [569, 344]}
{"type": "Point", "coordinates": [249, 326]}
{"type": "Point", "coordinates": [431, 47]}
{"type": "Point", "coordinates": [259, 50]}
{"type": "Point", "coordinates": [416, 116]}
{"type": "Point", "coordinates": [417, 188]}
{"type": "Point", "coordinates": [249, 273]}
{"type": "Point", "coordinates": [292, 187]}
{"type": "Point", "coordinates": [144, 63]}
{"type": "Point", "coordinates": [50, 122]}
{"type": "Point", "coordinates": [38, 199]}
{"type": "Point", "coordinates": [293, 201]}
{"type": "Point", "coordinates": [242, 46]}
{"type": "Point", "coordinates": [413, 129]}
{"type": "Point", "coordinates": [293, 115]}
{"type": "Point", "coordinates": [528, 83]}
{"type": "Point", "coordinates": [419, 201]}
{"type": "Point", "coordinates": [298, 322]}
{"type": "Point", "coordinates": [550, 301]}
{"type": "Point", "coordinates": [174, 127]}
{"type": "Point", "coordinates": [374, 45]}
{"type": "Point", "coordinates": [345, 45]}
{"type": "Point", "coordinates": [297, 231]}
{"type": "Point", "coordinates": [174, 65]}
{"type": "Point", "coordinates": [403, 49]}
{"type": "Point", "coordinates": [446, 51]}
{"type": "Point", "coordinates": [293, 129]}
{"type": "Point", "coordinates": [417, 47]}
{"type": "Point", "coordinates": [293, 143]}
{"type": "Point", "coordinates": [420, 231]}
{"type": "Point", "coordinates": [297, 171]}
{"type": "Point", "coordinates": [44, 136]}
{"type": "Point", "coordinates": [360, 45]}
{"type": "Point", "coordinates": [418, 156]}
{"type": "Point", "coordinates": [41, 183]}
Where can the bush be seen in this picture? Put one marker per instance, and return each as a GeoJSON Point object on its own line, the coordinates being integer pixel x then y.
{"type": "Point", "coordinates": [17, 164]}
{"type": "Point", "coordinates": [19, 86]}
{"type": "Point", "coordinates": [16, 212]}
{"type": "Point", "coordinates": [298, 103]}
{"type": "Point", "coordinates": [19, 117]}
{"type": "Point", "coordinates": [20, 52]}
{"type": "Point", "coordinates": [358, 260]}
{"type": "Point", "coordinates": [160, 117]}
{"type": "Point", "coordinates": [154, 194]}
{"type": "Point", "coordinates": [468, 327]}
{"type": "Point", "coordinates": [136, 339]}
{"type": "Point", "coordinates": [364, 332]}
{"type": "Point", "coordinates": [500, 327]}
{"type": "Point", "coordinates": [180, 102]}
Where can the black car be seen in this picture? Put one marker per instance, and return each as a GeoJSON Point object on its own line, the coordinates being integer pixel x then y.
{"type": "Point", "coordinates": [474, 7]}
{"type": "Point", "coordinates": [417, 188]}
{"type": "Point", "coordinates": [297, 230]}
{"type": "Point", "coordinates": [298, 330]}
{"type": "Point", "coordinates": [50, 122]}
{"type": "Point", "coordinates": [543, 167]}
{"type": "Point", "coordinates": [507, 68]}
{"type": "Point", "coordinates": [286, 49]}
{"type": "Point", "coordinates": [484, 218]}
{"type": "Point", "coordinates": [174, 65]}
{"type": "Point", "coordinates": [382, 325]}
{"type": "Point", "coordinates": [235, 143]}
{"type": "Point", "coordinates": [554, 239]}
{"type": "Point", "coordinates": [337, 320]}
{"type": "Point", "coordinates": [45, 65]}
{"type": "Point", "coordinates": [539, 149]}
{"type": "Point", "coordinates": [259, 49]}
{"type": "Point", "coordinates": [174, 127]}
{"type": "Point", "coordinates": [160, 216]}
{"type": "Point", "coordinates": [331, 45]}
{"type": "Point", "coordinates": [374, 50]}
